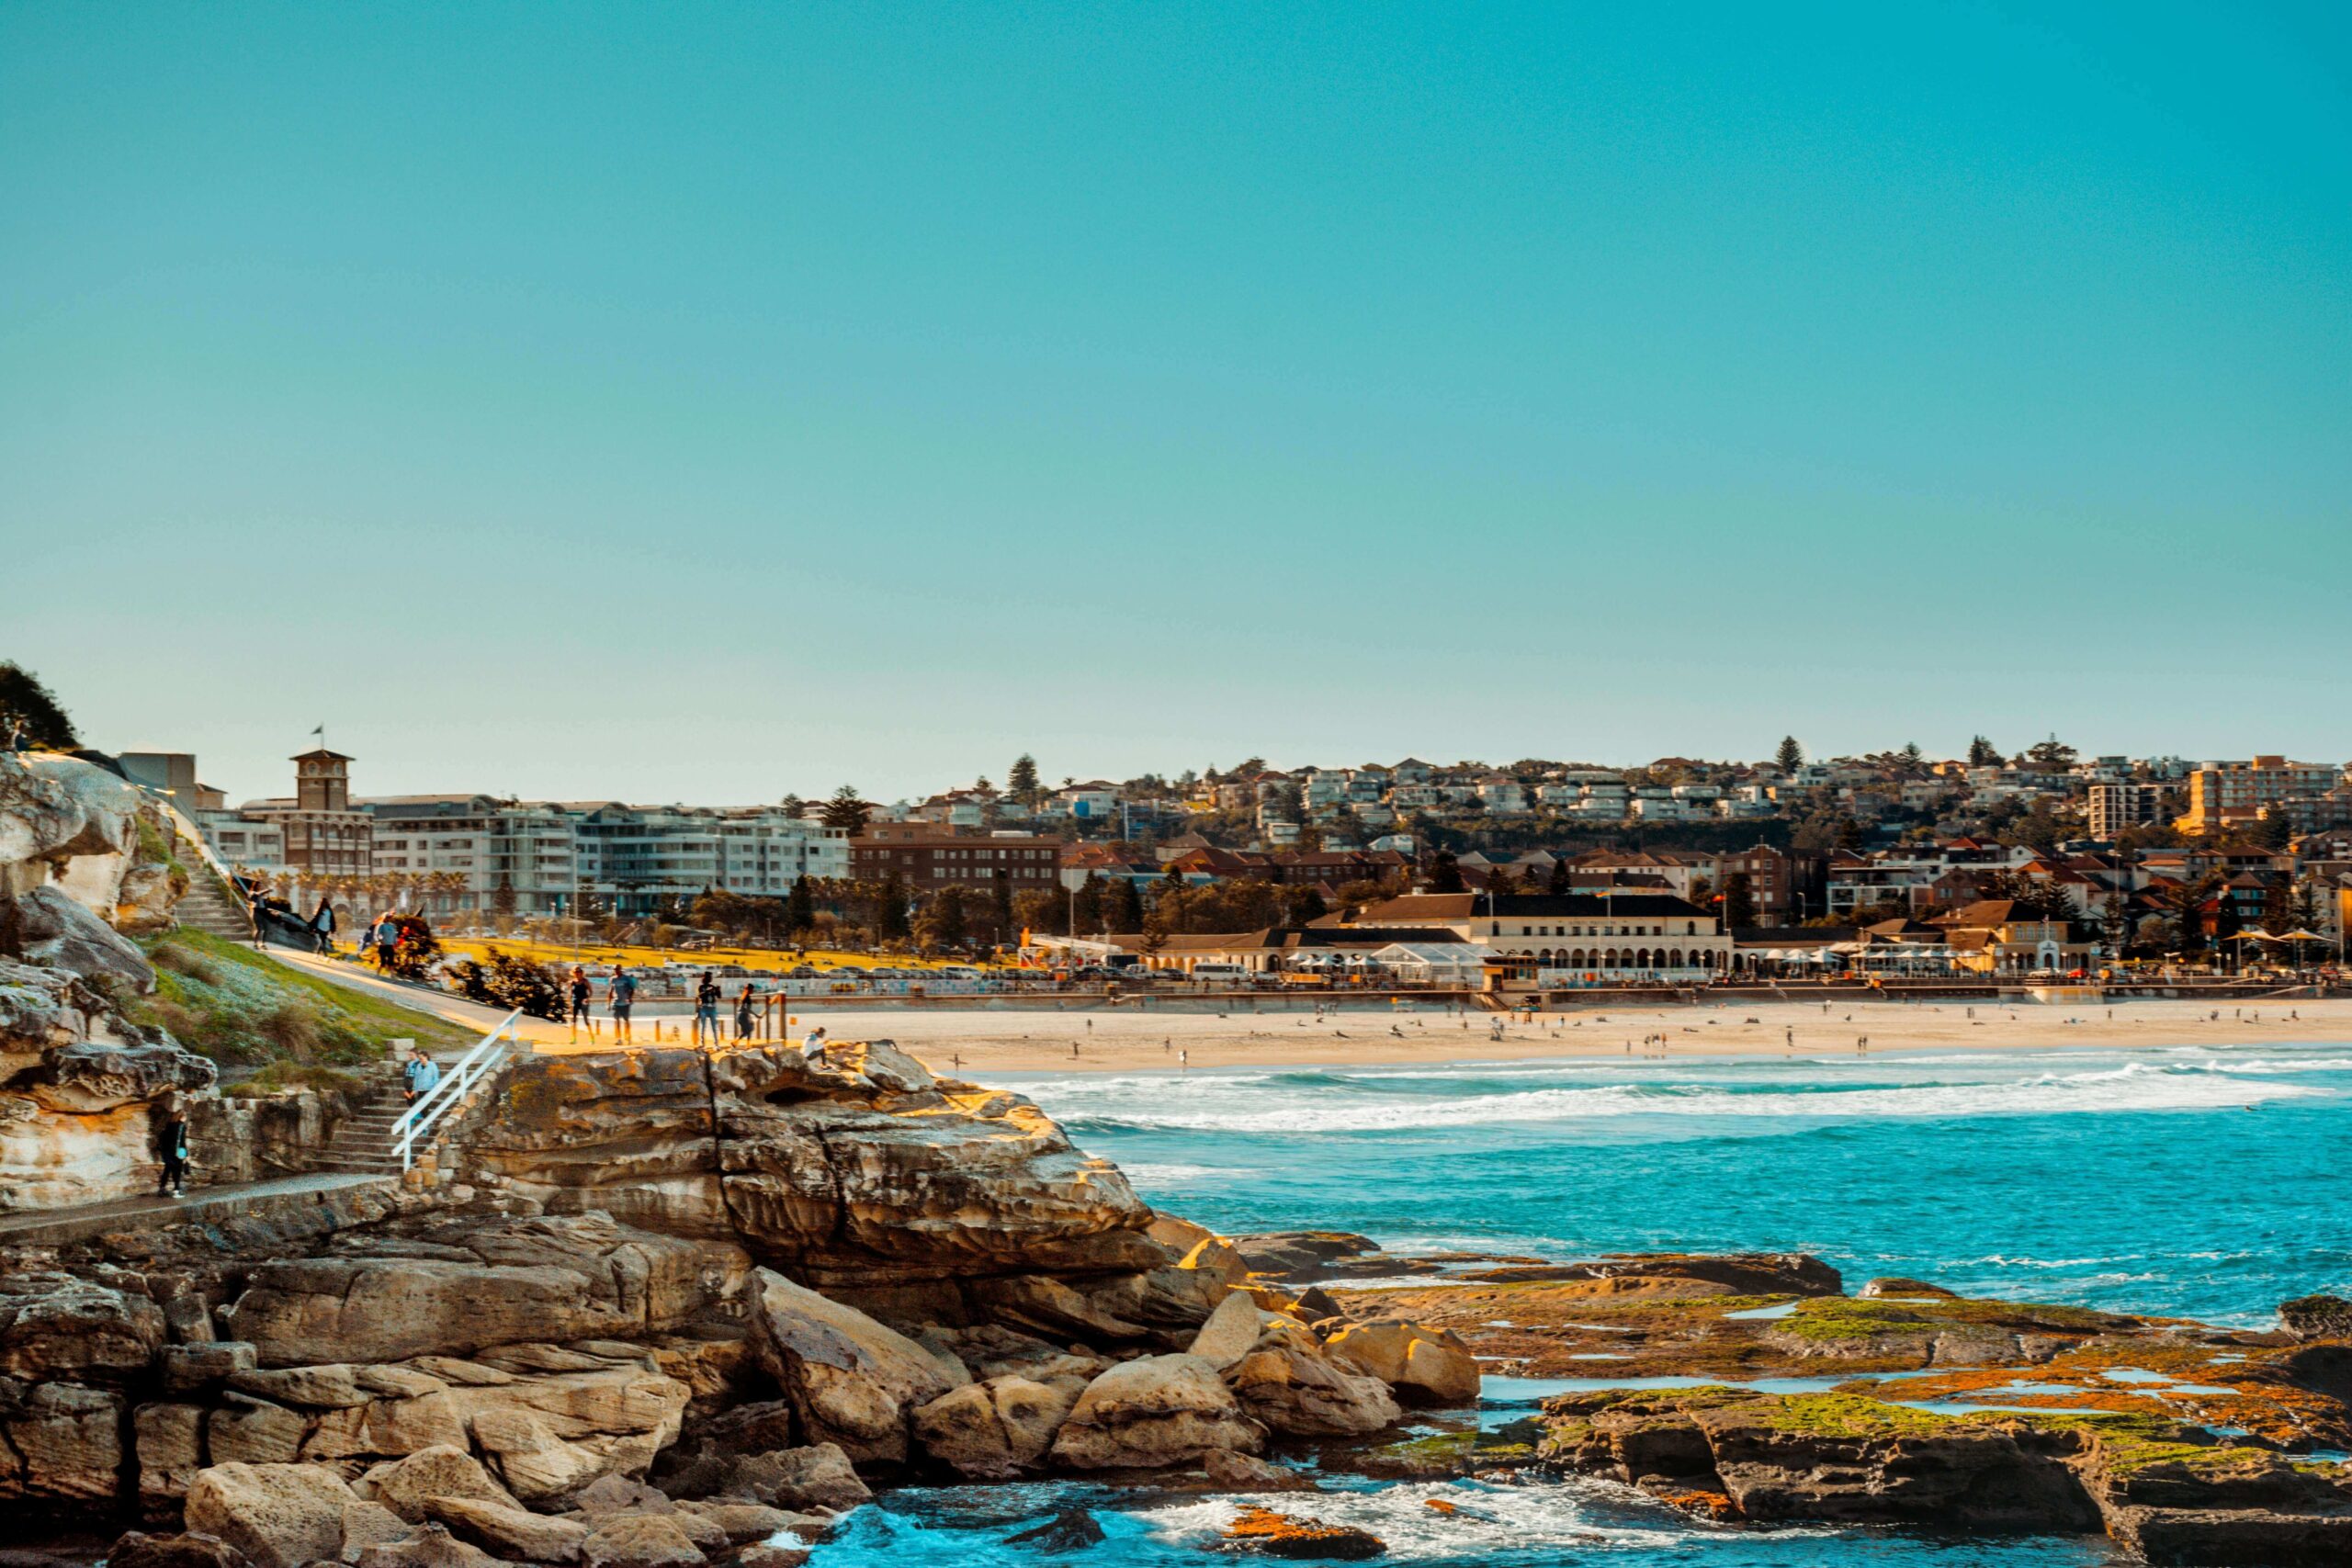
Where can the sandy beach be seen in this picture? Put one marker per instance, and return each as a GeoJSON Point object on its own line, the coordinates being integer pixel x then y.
{"type": "Point", "coordinates": [1032, 1037]}
{"type": "Point", "coordinates": [977, 1042]}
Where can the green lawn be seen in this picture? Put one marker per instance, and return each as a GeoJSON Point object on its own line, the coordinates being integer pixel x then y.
{"type": "Point", "coordinates": [245, 1010]}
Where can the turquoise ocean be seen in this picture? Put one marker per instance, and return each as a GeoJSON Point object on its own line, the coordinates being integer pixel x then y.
{"type": "Point", "coordinates": [2206, 1181]}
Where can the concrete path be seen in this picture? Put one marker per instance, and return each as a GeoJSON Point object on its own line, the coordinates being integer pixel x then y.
{"type": "Point", "coordinates": [49, 1227]}
{"type": "Point", "coordinates": [534, 1031]}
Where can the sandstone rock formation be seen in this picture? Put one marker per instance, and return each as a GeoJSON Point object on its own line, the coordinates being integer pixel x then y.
{"type": "Point", "coordinates": [853, 1382]}
{"type": "Point", "coordinates": [78, 1080]}
{"type": "Point", "coordinates": [1151, 1413]}
{"type": "Point", "coordinates": [867, 1172]}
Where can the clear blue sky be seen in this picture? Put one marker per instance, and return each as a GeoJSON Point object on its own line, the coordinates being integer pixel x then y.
{"type": "Point", "coordinates": [703, 403]}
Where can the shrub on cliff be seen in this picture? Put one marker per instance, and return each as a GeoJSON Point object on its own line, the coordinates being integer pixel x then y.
{"type": "Point", "coordinates": [510, 982]}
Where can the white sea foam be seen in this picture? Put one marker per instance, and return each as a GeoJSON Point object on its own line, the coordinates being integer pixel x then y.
{"type": "Point", "coordinates": [1484, 1518]}
{"type": "Point", "coordinates": [1342, 1106]}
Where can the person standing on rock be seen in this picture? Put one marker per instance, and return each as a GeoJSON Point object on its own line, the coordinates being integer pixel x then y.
{"type": "Point", "coordinates": [171, 1140]}
{"type": "Point", "coordinates": [623, 995]}
{"type": "Point", "coordinates": [747, 1007]}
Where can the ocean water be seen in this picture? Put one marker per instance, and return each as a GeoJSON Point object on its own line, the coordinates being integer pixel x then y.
{"type": "Point", "coordinates": [2204, 1181]}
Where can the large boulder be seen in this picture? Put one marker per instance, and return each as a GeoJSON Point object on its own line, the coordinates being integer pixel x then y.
{"type": "Point", "coordinates": [864, 1172]}
{"type": "Point", "coordinates": [54, 931]}
{"type": "Point", "coordinates": [137, 1548]}
{"type": "Point", "coordinates": [2317, 1317]}
{"type": "Point", "coordinates": [284, 1515]}
{"type": "Point", "coordinates": [1287, 1382]}
{"type": "Point", "coordinates": [509, 1533]}
{"type": "Point", "coordinates": [60, 1442]}
{"type": "Point", "coordinates": [55, 809]}
{"type": "Point", "coordinates": [56, 1325]}
{"type": "Point", "coordinates": [995, 1429]}
{"type": "Point", "coordinates": [467, 1287]}
{"type": "Point", "coordinates": [1425, 1366]}
{"type": "Point", "coordinates": [852, 1380]}
{"type": "Point", "coordinates": [818, 1476]}
{"type": "Point", "coordinates": [408, 1487]}
{"type": "Point", "coordinates": [1154, 1412]}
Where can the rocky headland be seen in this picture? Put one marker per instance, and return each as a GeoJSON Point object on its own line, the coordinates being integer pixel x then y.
{"type": "Point", "coordinates": [665, 1308]}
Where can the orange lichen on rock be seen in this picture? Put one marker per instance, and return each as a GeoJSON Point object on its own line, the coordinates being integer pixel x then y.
{"type": "Point", "coordinates": [1266, 1533]}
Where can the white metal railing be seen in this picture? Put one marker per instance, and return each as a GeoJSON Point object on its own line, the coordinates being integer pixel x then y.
{"type": "Point", "coordinates": [437, 1102]}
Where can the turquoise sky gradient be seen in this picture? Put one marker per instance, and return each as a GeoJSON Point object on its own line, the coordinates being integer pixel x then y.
{"type": "Point", "coordinates": [702, 403]}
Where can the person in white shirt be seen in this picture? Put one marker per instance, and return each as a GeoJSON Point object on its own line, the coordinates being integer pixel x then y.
{"type": "Point", "coordinates": [812, 1048]}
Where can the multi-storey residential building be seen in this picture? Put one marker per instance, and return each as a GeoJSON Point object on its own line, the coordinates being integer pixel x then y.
{"type": "Point", "coordinates": [1779, 884]}
{"type": "Point", "coordinates": [2229, 794]}
{"type": "Point", "coordinates": [923, 858]}
{"type": "Point", "coordinates": [2115, 806]}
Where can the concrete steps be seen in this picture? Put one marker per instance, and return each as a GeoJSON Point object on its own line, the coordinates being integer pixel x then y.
{"type": "Point", "coordinates": [363, 1141]}
{"type": "Point", "coordinates": [208, 907]}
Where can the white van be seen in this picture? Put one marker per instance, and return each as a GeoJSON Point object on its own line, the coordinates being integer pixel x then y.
{"type": "Point", "coordinates": [1228, 973]}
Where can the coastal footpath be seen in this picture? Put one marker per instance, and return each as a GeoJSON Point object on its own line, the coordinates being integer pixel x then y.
{"type": "Point", "coordinates": [668, 1307]}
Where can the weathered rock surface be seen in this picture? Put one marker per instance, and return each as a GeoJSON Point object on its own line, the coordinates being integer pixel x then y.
{"type": "Point", "coordinates": [468, 1286]}
{"type": "Point", "coordinates": [2317, 1317]}
{"type": "Point", "coordinates": [2176, 1494]}
{"type": "Point", "coordinates": [137, 1548]}
{"type": "Point", "coordinates": [1743, 1273]}
{"type": "Point", "coordinates": [282, 1516]}
{"type": "Point", "coordinates": [853, 1382]}
{"type": "Point", "coordinates": [1153, 1412]}
{"type": "Point", "coordinates": [1288, 1384]}
{"type": "Point", "coordinates": [864, 1172]}
{"type": "Point", "coordinates": [995, 1429]}
{"type": "Point", "coordinates": [1423, 1365]}
{"type": "Point", "coordinates": [55, 932]}
{"type": "Point", "coordinates": [507, 1532]}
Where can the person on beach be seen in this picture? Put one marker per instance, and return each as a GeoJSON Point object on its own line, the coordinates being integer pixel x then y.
{"type": "Point", "coordinates": [419, 1074]}
{"type": "Point", "coordinates": [172, 1144]}
{"type": "Point", "coordinates": [706, 1009]}
{"type": "Point", "coordinates": [580, 992]}
{"type": "Point", "coordinates": [621, 994]}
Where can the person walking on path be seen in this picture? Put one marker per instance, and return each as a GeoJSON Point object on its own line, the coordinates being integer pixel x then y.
{"type": "Point", "coordinates": [419, 1074]}
{"type": "Point", "coordinates": [623, 994]}
{"type": "Point", "coordinates": [322, 928]}
{"type": "Point", "coordinates": [172, 1144]}
{"type": "Point", "coordinates": [580, 993]}
{"type": "Point", "coordinates": [747, 1007]}
{"type": "Point", "coordinates": [706, 1009]}
{"type": "Point", "coordinates": [388, 936]}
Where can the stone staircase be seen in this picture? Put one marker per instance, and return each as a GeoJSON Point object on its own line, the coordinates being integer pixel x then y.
{"type": "Point", "coordinates": [363, 1141]}
{"type": "Point", "coordinates": [208, 905]}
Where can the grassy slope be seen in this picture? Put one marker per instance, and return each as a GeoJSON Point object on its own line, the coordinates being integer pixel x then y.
{"type": "Point", "coordinates": [243, 1009]}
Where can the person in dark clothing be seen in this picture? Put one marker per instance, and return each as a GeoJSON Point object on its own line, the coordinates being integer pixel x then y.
{"type": "Point", "coordinates": [580, 991]}
{"type": "Point", "coordinates": [706, 1009]}
{"type": "Point", "coordinates": [746, 1009]}
{"type": "Point", "coordinates": [172, 1141]}
{"type": "Point", "coordinates": [323, 927]}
